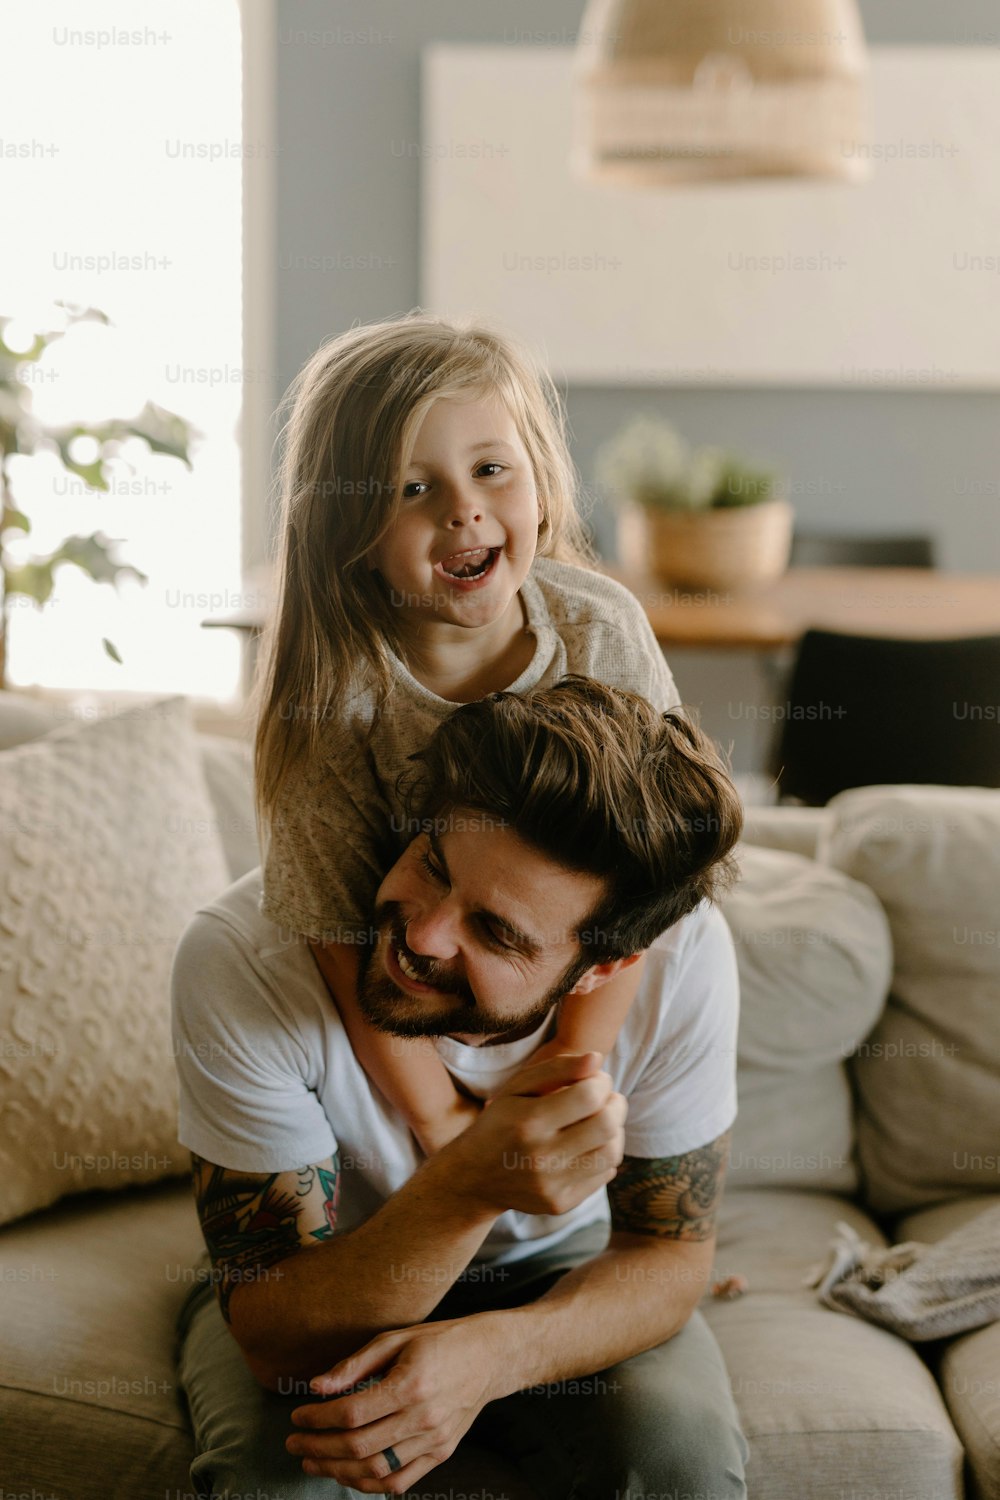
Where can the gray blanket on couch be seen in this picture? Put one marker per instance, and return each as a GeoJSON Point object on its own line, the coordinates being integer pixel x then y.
{"type": "Point", "coordinates": [918, 1291]}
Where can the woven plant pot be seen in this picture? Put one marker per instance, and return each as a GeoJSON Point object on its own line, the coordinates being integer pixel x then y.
{"type": "Point", "coordinates": [731, 547]}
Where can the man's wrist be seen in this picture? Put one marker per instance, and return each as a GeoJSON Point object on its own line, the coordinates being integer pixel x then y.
{"type": "Point", "coordinates": [461, 1188]}
{"type": "Point", "coordinates": [509, 1335]}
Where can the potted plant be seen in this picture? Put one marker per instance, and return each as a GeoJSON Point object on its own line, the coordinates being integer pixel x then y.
{"type": "Point", "coordinates": [22, 432]}
{"type": "Point", "coordinates": [697, 517]}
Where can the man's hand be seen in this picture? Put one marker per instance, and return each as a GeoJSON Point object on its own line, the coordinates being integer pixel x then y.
{"type": "Point", "coordinates": [432, 1381]}
{"type": "Point", "coordinates": [551, 1137]}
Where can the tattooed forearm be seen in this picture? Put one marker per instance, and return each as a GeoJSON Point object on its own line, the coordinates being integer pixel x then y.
{"type": "Point", "coordinates": [674, 1197]}
{"type": "Point", "coordinates": [251, 1221]}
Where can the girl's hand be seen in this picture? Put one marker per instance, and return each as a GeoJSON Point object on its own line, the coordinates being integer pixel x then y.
{"type": "Point", "coordinates": [431, 1135]}
{"type": "Point", "coordinates": [555, 1048]}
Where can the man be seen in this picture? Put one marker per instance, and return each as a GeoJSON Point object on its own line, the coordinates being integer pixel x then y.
{"type": "Point", "coordinates": [561, 834]}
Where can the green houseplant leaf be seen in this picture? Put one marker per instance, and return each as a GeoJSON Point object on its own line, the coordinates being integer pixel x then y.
{"type": "Point", "coordinates": [93, 555]}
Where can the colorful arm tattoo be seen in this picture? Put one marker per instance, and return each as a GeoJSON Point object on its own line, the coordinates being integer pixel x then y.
{"type": "Point", "coordinates": [253, 1220]}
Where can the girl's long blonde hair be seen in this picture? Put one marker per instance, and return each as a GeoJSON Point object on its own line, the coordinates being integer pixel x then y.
{"type": "Point", "coordinates": [352, 415]}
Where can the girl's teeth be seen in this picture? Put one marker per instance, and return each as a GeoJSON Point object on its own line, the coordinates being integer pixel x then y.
{"type": "Point", "coordinates": [468, 564]}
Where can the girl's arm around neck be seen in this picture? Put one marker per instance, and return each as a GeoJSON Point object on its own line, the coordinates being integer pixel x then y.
{"type": "Point", "coordinates": [591, 1022]}
{"type": "Point", "coordinates": [407, 1070]}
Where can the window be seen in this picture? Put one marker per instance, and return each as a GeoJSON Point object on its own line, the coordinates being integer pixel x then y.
{"type": "Point", "coordinates": [123, 155]}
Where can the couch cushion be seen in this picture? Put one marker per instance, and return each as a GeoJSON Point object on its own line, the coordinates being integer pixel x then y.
{"type": "Point", "coordinates": [831, 1405]}
{"type": "Point", "coordinates": [928, 1078]}
{"type": "Point", "coordinates": [967, 1367]}
{"type": "Point", "coordinates": [90, 1293]}
{"type": "Point", "coordinates": [815, 959]}
{"type": "Point", "coordinates": [106, 849]}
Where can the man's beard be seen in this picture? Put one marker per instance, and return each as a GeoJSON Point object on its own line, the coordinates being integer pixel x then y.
{"type": "Point", "coordinates": [390, 1009]}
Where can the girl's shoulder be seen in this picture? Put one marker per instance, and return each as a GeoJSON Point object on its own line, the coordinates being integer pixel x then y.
{"type": "Point", "coordinates": [604, 630]}
{"type": "Point", "coordinates": [576, 595]}
{"type": "Point", "coordinates": [345, 720]}
{"type": "Point", "coordinates": [362, 711]}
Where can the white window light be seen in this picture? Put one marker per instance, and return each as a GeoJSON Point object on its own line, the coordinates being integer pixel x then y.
{"type": "Point", "coordinates": [123, 157]}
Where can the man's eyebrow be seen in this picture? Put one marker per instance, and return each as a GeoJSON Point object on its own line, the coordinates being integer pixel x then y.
{"type": "Point", "coordinates": [531, 945]}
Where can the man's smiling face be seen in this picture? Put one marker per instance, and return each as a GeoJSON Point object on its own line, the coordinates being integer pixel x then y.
{"type": "Point", "coordinates": [477, 934]}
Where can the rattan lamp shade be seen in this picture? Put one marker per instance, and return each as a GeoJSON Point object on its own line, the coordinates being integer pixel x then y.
{"type": "Point", "coordinates": [674, 91]}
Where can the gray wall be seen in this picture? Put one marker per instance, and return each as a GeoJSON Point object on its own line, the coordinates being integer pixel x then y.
{"type": "Point", "coordinates": [348, 235]}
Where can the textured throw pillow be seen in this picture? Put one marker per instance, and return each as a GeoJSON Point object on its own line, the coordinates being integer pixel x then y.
{"type": "Point", "coordinates": [928, 1078]}
{"type": "Point", "coordinates": [107, 846]}
{"type": "Point", "coordinates": [815, 961]}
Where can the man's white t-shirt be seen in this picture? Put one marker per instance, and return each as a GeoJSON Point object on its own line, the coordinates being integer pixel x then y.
{"type": "Point", "coordinates": [269, 1081]}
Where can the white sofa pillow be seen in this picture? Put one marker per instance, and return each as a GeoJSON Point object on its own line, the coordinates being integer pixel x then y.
{"type": "Point", "coordinates": [815, 959]}
{"type": "Point", "coordinates": [226, 761]}
{"type": "Point", "coordinates": [107, 846]}
{"type": "Point", "coordinates": [928, 1078]}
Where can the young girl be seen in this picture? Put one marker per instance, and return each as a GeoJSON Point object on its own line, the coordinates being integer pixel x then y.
{"type": "Point", "coordinates": [431, 554]}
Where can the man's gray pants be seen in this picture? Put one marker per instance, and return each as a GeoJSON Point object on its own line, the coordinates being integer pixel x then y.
{"type": "Point", "coordinates": [659, 1426]}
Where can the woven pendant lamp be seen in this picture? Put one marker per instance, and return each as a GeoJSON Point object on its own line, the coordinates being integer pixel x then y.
{"type": "Point", "coordinates": [675, 91]}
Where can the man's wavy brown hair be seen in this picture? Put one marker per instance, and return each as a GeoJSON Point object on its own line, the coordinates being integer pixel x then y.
{"type": "Point", "coordinates": [599, 781]}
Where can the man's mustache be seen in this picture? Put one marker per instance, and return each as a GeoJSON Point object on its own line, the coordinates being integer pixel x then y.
{"type": "Point", "coordinates": [428, 970]}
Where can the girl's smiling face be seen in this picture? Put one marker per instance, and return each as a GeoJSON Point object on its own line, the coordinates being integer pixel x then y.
{"type": "Point", "coordinates": [467, 528]}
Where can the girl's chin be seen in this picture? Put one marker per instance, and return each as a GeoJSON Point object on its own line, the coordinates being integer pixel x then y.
{"type": "Point", "coordinates": [438, 598]}
{"type": "Point", "coordinates": [468, 611]}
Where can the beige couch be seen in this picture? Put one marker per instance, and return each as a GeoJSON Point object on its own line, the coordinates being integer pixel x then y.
{"type": "Point", "coordinates": [883, 1113]}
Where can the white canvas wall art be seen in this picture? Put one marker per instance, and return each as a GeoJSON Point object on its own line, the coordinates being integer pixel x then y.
{"type": "Point", "coordinates": [891, 284]}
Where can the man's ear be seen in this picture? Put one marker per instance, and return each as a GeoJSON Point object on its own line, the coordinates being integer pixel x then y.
{"type": "Point", "coordinates": [601, 973]}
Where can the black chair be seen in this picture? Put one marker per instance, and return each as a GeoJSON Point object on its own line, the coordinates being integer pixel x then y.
{"type": "Point", "coordinates": [865, 710]}
{"type": "Point", "coordinates": [819, 550]}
